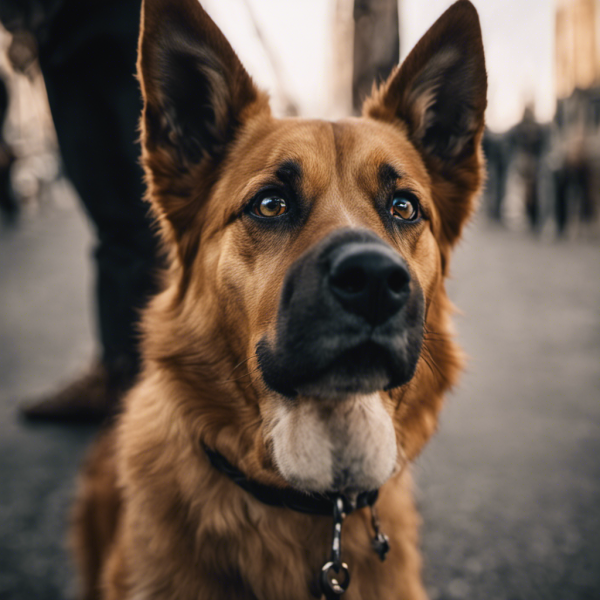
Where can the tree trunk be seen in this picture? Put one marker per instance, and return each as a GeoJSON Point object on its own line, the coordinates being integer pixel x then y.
{"type": "Point", "coordinates": [376, 45]}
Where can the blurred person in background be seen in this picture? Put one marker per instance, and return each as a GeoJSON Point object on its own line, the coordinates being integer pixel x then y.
{"type": "Point", "coordinates": [496, 149]}
{"type": "Point", "coordinates": [9, 208]}
{"type": "Point", "coordinates": [576, 160]}
{"type": "Point", "coordinates": [87, 52]}
{"type": "Point", "coordinates": [528, 141]}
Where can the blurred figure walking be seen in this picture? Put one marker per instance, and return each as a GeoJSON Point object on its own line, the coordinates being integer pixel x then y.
{"type": "Point", "coordinates": [528, 141]}
{"type": "Point", "coordinates": [9, 209]}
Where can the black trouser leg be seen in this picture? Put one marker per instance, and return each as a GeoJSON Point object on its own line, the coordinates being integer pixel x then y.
{"type": "Point", "coordinates": [95, 104]}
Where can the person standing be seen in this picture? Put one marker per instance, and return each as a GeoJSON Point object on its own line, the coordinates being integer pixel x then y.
{"type": "Point", "coordinates": [87, 52]}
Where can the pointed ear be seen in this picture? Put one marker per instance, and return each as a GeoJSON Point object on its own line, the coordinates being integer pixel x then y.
{"type": "Point", "coordinates": [439, 92]}
{"type": "Point", "coordinates": [196, 96]}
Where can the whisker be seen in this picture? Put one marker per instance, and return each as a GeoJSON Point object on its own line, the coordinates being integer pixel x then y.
{"type": "Point", "coordinates": [431, 368]}
{"type": "Point", "coordinates": [237, 367]}
{"type": "Point", "coordinates": [409, 386]}
{"type": "Point", "coordinates": [252, 381]}
{"type": "Point", "coordinates": [405, 389]}
{"type": "Point", "coordinates": [426, 337]}
{"type": "Point", "coordinates": [242, 376]}
{"type": "Point", "coordinates": [432, 364]}
{"type": "Point", "coordinates": [440, 334]}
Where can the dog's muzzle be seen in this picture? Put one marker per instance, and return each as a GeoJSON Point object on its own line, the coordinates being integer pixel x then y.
{"type": "Point", "coordinates": [350, 320]}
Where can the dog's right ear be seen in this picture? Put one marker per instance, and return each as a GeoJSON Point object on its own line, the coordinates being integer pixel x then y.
{"type": "Point", "coordinates": [196, 95]}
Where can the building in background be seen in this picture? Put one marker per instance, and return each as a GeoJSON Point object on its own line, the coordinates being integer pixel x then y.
{"type": "Point", "coordinates": [577, 46]}
{"type": "Point", "coordinates": [575, 150]}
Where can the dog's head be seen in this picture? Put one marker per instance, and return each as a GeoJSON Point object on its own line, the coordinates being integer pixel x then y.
{"type": "Point", "coordinates": [305, 311]}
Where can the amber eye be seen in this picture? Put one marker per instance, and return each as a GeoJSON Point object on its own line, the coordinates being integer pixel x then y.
{"type": "Point", "coordinates": [405, 207]}
{"type": "Point", "coordinates": [270, 206]}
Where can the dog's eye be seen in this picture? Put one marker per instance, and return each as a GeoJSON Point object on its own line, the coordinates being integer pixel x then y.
{"type": "Point", "coordinates": [270, 206]}
{"type": "Point", "coordinates": [405, 207]}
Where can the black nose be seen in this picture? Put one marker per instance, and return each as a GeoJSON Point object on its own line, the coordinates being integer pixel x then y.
{"type": "Point", "coordinates": [369, 280]}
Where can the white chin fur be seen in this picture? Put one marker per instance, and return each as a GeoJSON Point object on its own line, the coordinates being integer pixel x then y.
{"type": "Point", "coordinates": [343, 445]}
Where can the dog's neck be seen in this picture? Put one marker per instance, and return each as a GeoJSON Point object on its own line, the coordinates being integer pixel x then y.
{"type": "Point", "coordinates": [312, 504]}
{"type": "Point", "coordinates": [338, 506]}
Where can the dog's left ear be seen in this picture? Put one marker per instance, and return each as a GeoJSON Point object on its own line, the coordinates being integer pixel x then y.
{"type": "Point", "coordinates": [439, 92]}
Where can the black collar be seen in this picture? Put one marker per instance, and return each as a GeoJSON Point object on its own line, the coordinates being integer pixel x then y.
{"type": "Point", "coordinates": [312, 504]}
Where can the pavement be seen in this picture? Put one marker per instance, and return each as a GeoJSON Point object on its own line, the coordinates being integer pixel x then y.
{"type": "Point", "coordinates": [509, 489]}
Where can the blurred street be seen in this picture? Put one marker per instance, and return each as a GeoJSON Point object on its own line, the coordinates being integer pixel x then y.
{"type": "Point", "coordinates": [509, 489]}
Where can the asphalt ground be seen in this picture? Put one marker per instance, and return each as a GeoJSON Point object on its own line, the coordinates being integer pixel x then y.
{"type": "Point", "coordinates": [509, 489]}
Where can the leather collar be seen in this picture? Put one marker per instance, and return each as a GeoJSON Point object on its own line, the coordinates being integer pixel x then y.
{"type": "Point", "coordinates": [312, 504]}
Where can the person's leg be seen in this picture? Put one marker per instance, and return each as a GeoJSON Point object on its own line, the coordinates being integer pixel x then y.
{"type": "Point", "coordinates": [561, 200]}
{"type": "Point", "coordinates": [585, 176]}
{"type": "Point", "coordinates": [95, 104]}
{"type": "Point", "coordinates": [9, 208]}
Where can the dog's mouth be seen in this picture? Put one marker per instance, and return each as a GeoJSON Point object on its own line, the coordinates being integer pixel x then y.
{"type": "Point", "coordinates": [365, 368]}
{"type": "Point", "coordinates": [336, 434]}
{"type": "Point", "coordinates": [344, 367]}
{"type": "Point", "coordinates": [350, 326]}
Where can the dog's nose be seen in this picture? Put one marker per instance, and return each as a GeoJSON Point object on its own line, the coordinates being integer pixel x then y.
{"type": "Point", "coordinates": [369, 280]}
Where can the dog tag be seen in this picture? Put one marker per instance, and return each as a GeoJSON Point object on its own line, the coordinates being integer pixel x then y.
{"type": "Point", "coordinates": [332, 585]}
{"type": "Point", "coordinates": [381, 545]}
{"type": "Point", "coordinates": [381, 542]}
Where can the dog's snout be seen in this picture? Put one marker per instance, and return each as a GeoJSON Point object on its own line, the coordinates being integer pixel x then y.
{"type": "Point", "coordinates": [369, 280]}
{"type": "Point", "coordinates": [349, 320]}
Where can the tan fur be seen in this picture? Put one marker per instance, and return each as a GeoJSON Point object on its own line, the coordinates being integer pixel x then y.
{"type": "Point", "coordinates": [154, 519]}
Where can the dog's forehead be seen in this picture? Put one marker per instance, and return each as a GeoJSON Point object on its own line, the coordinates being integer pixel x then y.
{"type": "Point", "coordinates": [366, 141]}
{"type": "Point", "coordinates": [364, 147]}
{"type": "Point", "coordinates": [350, 152]}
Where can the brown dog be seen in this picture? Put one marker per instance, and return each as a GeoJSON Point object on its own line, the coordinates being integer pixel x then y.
{"type": "Point", "coordinates": [297, 357]}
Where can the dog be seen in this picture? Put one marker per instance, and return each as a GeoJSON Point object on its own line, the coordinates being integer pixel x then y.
{"type": "Point", "coordinates": [296, 359]}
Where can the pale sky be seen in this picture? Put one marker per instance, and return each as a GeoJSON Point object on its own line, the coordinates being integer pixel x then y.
{"type": "Point", "coordinates": [518, 39]}
{"type": "Point", "coordinates": [518, 36]}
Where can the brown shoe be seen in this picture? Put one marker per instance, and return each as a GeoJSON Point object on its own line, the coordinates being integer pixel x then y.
{"type": "Point", "coordinates": [89, 399]}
